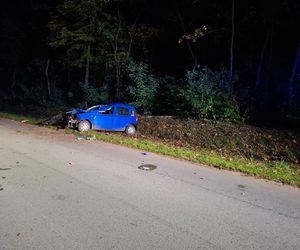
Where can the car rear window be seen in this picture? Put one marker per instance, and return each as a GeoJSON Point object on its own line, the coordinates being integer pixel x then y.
{"type": "Point", "coordinates": [122, 111]}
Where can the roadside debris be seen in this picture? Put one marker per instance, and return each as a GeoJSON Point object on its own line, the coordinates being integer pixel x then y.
{"type": "Point", "coordinates": [143, 153]}
{"type": "Point", "coordinates": [89, 138]}
{"type": "Point", "coordinates": [24, 121]}
{"type": "Point", "coordinates": [59, 120]}
{"type": "Point", "coordinates": [81, 138]}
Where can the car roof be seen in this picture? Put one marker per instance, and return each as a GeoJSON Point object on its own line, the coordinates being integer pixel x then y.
{"type": "Point", "coordinates": [123, 105]}
{"type": "Point", "coordinates": [105, 107]}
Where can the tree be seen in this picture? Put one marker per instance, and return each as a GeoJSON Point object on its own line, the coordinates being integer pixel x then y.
{"type": "Point", "coordinates": [11, 49]}
{"type": "Point", "coordinates": [144, 86]}
{"type": "Point", "coordinates": [232, 40]}
{"type": "Point", "coordinates": [295, 73]}
{"type": "Point", "coordinates": [78, 27]}
{"type": "Point", "coordinates": [122, 39]}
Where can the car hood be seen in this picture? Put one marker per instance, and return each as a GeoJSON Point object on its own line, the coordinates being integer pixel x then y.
{"type": "Point", "coordinates": [77, 111]}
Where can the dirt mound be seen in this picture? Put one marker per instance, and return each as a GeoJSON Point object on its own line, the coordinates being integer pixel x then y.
{"type": "Point", "coordinates": [227, 138]}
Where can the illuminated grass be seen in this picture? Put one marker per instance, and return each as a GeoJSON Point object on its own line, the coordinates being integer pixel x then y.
{"type": "Point", "coordinates": [275, 171]}
{"type": "Point", "coordinates": [17, 117]}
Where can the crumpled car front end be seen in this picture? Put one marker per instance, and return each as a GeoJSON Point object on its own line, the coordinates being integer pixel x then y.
{"type": "Point", "coordinates": [72, 121]}
{"type": "Point", "coordinates": [72, 117]}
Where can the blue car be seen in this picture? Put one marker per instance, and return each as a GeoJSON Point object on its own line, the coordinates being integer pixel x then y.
{"type": "Point", "coordinates": [113, 117]}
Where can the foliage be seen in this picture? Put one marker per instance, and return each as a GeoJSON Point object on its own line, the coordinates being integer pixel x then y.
{"type": "Point", "coordinates": [141, 35]}
{"type": "Point", "coordinates": [124, 39]}
{"type": "Point", "coordinates": [101, 36]}
{"type": "Point", "coordinates": [209, 95]}
{"type": "Point", "coordinates": [198, 33]}
{"type": "Point", "coordinates": [88, 32]}
{"type": "Point", "coordinates": [38, 95]}
{"type": "Point", "coordinates": [144, 86]}
{"type": "Point", "coordinates": [169, 100]}
{"type": "Point", "coordinates": [82, 31]}
{"type": "Point", "coordinates": [34, 95]}
{"type": "Point", "coordinates": [93, 95]}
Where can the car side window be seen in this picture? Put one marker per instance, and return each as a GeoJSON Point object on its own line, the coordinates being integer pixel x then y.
{"type": "Point", "coordinates": [122, 111]}
{"type": "Point", "coordinates": [108, 111]}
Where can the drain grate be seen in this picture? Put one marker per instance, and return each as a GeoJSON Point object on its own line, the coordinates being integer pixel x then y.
{"type": "Point", "coordinates": [147, 167]}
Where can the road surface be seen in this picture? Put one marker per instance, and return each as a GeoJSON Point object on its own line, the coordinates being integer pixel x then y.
{"type": "Point", "coordinates": [58, 192]}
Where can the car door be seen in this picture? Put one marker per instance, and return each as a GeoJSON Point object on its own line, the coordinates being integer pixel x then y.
{"type": "Point", "coordinates": [103, 120]}
{"type": "Point", "coordinates": [121, 118]}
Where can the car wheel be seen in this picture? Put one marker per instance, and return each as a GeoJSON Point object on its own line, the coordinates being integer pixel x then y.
{"type": "Point", "coordinates": [130, 130]}
{"type": "Point", "coordinates": [84, 126]}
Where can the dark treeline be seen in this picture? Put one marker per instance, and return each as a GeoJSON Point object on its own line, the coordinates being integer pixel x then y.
{"type": "Point", "coordinates": [236, 60]}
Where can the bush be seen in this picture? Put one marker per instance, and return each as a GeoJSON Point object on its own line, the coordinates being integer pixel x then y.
{"type": "Point", "coordinates": [38, 95]}
{"type": "Point", "coordinates": [32, 95]}
{"type": "Point", "coordinates": [93, 95]}
{"type": "Point", "coordinates": [209, 95]}
{"type": "Point", "coordinates": [144, 86]}
{"type": "Point", "coordinates": [169, 100]}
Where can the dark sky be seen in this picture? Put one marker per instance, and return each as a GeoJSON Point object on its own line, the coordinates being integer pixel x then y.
{"type": "Point", "coordinates": [24, 29]}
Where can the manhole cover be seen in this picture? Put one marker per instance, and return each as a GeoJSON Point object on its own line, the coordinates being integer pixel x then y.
{"type": "Point", "coordinates": [147, 167]}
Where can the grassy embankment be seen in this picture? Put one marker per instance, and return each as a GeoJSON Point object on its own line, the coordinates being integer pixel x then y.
{"type": "Point", "coordinates": [279, 171]}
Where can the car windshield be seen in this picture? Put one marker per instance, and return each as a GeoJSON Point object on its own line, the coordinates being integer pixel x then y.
{"type": "Point", "coordinates": [93, 108]}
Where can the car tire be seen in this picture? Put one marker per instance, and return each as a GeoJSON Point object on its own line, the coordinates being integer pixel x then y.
{"type": "Point", "coordinates": [84, 126]}
{"type": "Point", "coordinates": [130, 130]}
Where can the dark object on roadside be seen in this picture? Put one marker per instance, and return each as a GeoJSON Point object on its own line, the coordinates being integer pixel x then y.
{"type": "Point", "coordinates": [59, 120]}
{"type": "Point", "coordinates": [113, 117]}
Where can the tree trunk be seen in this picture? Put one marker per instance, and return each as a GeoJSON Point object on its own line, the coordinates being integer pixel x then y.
{"type": "Point", "coordinates": [294, 72]}
{"type": "Point", "coordinates": [193, 55]}
{"type": "Point", "coordinates": [47, 78]}
{"type": "Point", "coordinates": [117, 61]}
{"type": "Point", "coordinates": [87, 66]}
{"type": "Point", "coordinates": [269, 69]}
{"type": "Point", "coordinates": [118, 82]}
{"type": "Point", "coordinates": [232, 41]}
{"type": "Point", "coordinates": [261, 62]}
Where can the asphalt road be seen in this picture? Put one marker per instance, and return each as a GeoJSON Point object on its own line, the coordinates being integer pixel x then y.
{"type": "Point", "coordinates": [61, 193]}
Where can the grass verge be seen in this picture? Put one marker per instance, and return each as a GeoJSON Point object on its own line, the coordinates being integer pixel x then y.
{"type": "Point", "coordinates": [20, 118]}
{"type": "Point", "coordinates": [275, 171]}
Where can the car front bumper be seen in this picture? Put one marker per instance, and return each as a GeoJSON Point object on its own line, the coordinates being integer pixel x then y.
{"type": "Point", "coordinates": [72, 123]}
